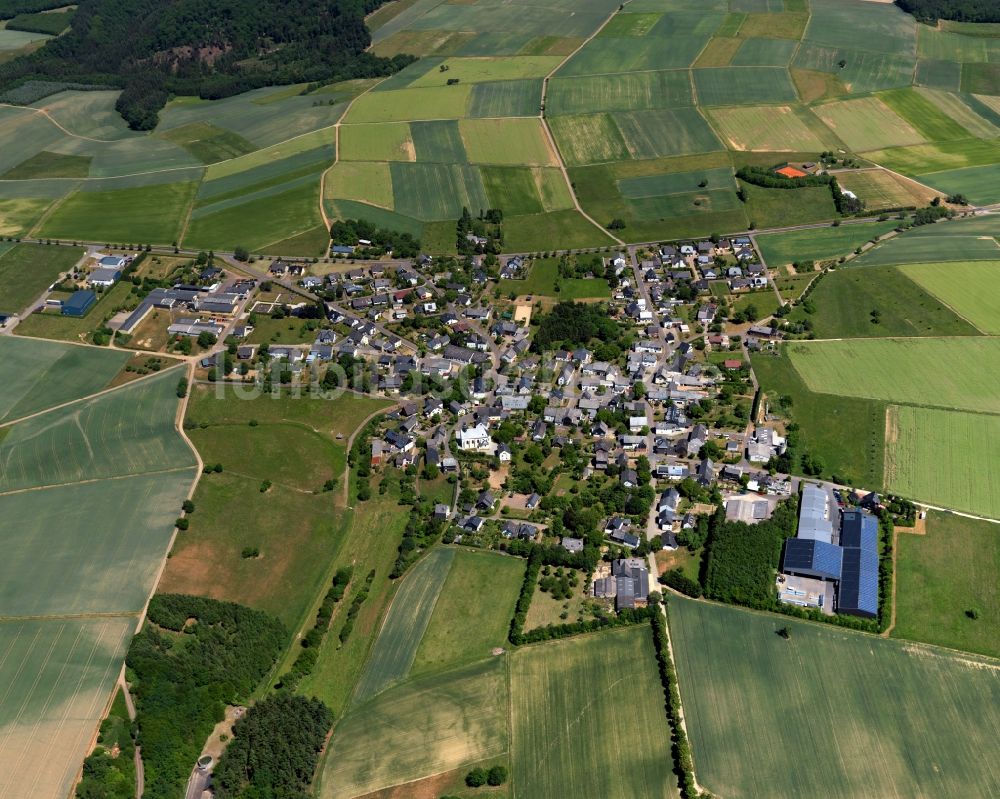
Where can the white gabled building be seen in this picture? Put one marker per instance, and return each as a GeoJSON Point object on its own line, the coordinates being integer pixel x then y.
{"type": "Point", "coordinates": [474, 438]}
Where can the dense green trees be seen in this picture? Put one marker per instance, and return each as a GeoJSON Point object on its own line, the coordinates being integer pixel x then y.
{"type": "Point", "coordinates": [348, 232]}
{"type": "Point", "coordinates": [154, 48]}
{"type": "Point", "coordinates": [194, 656]}
{"type": "Point", "coordinates": [960, 10]}
{"type": "Point", "coordinates": [573, 323]}
{"type": "Point", "coordinates": [274, 749]}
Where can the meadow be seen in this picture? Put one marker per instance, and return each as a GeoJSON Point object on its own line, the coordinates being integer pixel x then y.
{"type": "Point", "coordinates": [425, 726]}
{"type": "Point", "coordinates": [594, 699]}
{"type": "Point", "coordinates": [970, 288]}
{"type": "Point", "coordinates": [833, 699]}
{"type": "Point", "coordinates": [941, 244]}
{"type": "Point", "coordinates": [543, 279]}
{"type": "Point", "coordinates": [42, 374]}
{"type": "Point", "coordinates": [771, 129]}
{"type": "Point", "coordinates": [27, 270]}
{"type": "Point", "coordinates": [881, 190]}
{"type": "Point", "coordinates": [818, 245]}
{"type": "Point", "coordinates": [953, 568]}
{"type": "Point", "coordinates": [942, 457]}
{"type": "Point", "coordinates": [868, 124]}
{"type": "Point", "coordinates": [58, 675]}
{"type": "Point", "coordinates": [951, 373]}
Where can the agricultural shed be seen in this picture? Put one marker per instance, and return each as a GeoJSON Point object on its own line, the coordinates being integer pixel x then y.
{"type": "Point", "coordinates": [858, 591]}
{"type": "Point", "coordinates": [78, 303]}
{"type": "Point", "coordinates": [810, 558]}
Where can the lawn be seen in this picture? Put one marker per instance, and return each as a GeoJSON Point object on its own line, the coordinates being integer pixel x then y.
{"type": "Point", "coordinates": [828, 712]}
{"type": "Point", "coordinates": [970, 288]}
{"type": "Point", "coordinates": [953, 568]}
{"type": "Point", "coordinates": [29, 269]}
{"type": "Point", "coordinates": [944, 458]}
{"type": "Point", "coordinates": [149, 215]}
{"type": "Point", "coordinates": [588, 719]}
{"type": "Point", "coordinates": [403, 628]}
{"type": "Point", "coordinates": [430, 725]}
{"type": "Point", "coordinates": [771, 128]}
{"type": "Point", "coordinates": [856, 459]}
{"type": "Point", "coordinates": [818, 245]}
{"type": "Point", "coordinates": [867, 123]}
{"type": "Point", "coordinates": [58, 676]}
{"type": "Point", "coordinates": [473, 611]}
{"type": "Point", "coordinates": [129, 431]}
{"type": "Point", "coordinates": [543, 278]}
{"type": "Point", "coordinates": [942, 372]}
{"type": "Point", "coordinates": [65, 557]}
{"type": "Point", "coordinates": [41, 374]}
{"type": "Point", "coordinates": [545, 609]}
{"type": "Point", "coordinates": [844, 301]}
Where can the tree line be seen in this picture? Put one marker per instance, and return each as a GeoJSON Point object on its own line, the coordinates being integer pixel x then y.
{"type": "Point", "coordinates": [958, 10]}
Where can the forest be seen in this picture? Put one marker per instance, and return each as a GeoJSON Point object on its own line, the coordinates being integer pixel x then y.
{"type": "Point", "coordinates": [153, 49]}
{"type": "Point", "coordinates": [958, 10]}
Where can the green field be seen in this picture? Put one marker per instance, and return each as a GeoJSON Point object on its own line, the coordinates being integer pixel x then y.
{"type": "Point", "coordinates": [536, 232]}
{"type": "Point", "coordinates": [924, 115]}
{"type": "Point", "coordinates": [630, 91]}
{"type": "Point", "coordinates": [856, 459]}
{"type": "Point", "coordinates": [57, 676]}
{"type": "Point", "coordinates": [979, 184]}
{"type": "Point", "coordinates": [970, 288]}
{"type": "Point", "coordinates": [42, 374]}
{"type": "Point", "coordinates": [473, 610]}
{"type": "Point", "coordinates": [743, 86]}
{"type": "Point", "coordinates": [941, 372]}
{"type": "Point", "coordinates": [27, 270]}
{"type": "Point", "coordinates": [942, 457]}
{"type": "Point", "coordinates": [945, 243]}
{"type": "Point", "coordinates": [386, 142]}
{"type": "Point", "coordinates": [209, 143]}
{"type": "Point", "coordinates": [151, 214]}
{"type": "Point", "coordinates": [880, 189]}
{"type": "Point", "coordinates": [818, 245]}
{"type": "Point", "coordinates": [771, 128]}
{"type": "Point", "coordinates": [585, 701]}
{"type": "Point", "coordinates": [845, 299]}
{"type": "Point", "coordinates": [767, 208]}
{"type": "Point", "coordinates": [401, 105]}
{"type": "Point", "coordinates": [506, 98]}
{"type": "Point", "coordinates": [505, 141]}
{"type": "Point", "coordinates": [953, 568]}
{"type": "Point", "coordinates": [129, 431]}
{"type": "Point", "coordinates": [543, 279]}
{"type": "Point", "coordinates": [403, 627]}
{"type": "Point", "coordinates": [868, 124]}
{"type": "Point", "coordinates": [429, 725]}
{"type": "Point", "coordinates": [832, 699]}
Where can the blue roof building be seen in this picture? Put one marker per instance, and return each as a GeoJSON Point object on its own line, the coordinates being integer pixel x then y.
{"type": "Point", "coordinates": [340, 249]}
{"type": "Point", "coordinates": [858, 590]}
{"type": "Point", "coordinates": [78, 303]}
{"type": "Point", "coordinates": [811, 558]}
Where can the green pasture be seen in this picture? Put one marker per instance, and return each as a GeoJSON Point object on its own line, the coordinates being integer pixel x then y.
{"type": "Point", "coordinates": [151, 215]}
{"type": "Point", "coordinates": [482, 70]}
{"type": "Point", "coordinates": [42, 374]}
{"type": "Point", "coordinates": [610, 679]}
{"type": "Point", "coordinates": [818, 244]}
{"type": "Point", "coordinates": [543, 280]}
{"type": "Point", "coordinates": [536, 232]}
{"type": "Point", "coordinates": [349, 209]}
{"type": "Point", "coordinates": [942, 457]}
{"type": "Point", "coordinates": [946, 244]}
{"type": "Point", "coordinates": [27, 270]}
{"type": "Point", "coordinates": [438, 141]}
{"type": "Point", "coordinates": [504, 18]}
{"type": "Point", "coordinates": [828, 711]}
{"type": "Point", "coordinates": [436, 191]}
{"type": "Point", "coordinates": [58, 676]}
{"type": "Point", "coordinates": [291, 155]}
{"type": "Point", "coordinates": [981, 78]}
{"type": "Point", "coordinates": [933, 123]}
{"type": "Point", "coordinates": [942, 372]}
{"type": "Point", "coordinates": [764, 53]}
{"type": "Point", "coordinates": [962, 111]}
{"type": "Point", "coordinates": [64, 556]}
{"type": "Point", "coordinates": [314, 241]}
{"type": "Point", "coordinates": [608, 54]}
{"type": "Point", "coordinates": [845, 299]}
{"type": "Point", "coordinates": [390, 141]}
{"type": "Point", "coordinates": [867, 123]}
{"type": "Point", "coordinates": [363, 181]}
{"type": "Point", "coordinates": [743, 86]}
{"type": "Point", "coordinates": [256, 180]}
{"type": "Point", "coordinates": [50, 165]}
{"type": "Point", "coordinates": [856, 459]}
{"type": "Point", "coordinates": [430, 725]}
{"type": "Point", "coordinates": [11, 41]}
{"type": "Point", "coordinates": [970, 288]}
{"type": "Point", "coordinates": [506, 98]}
{"type": "Point", "coordinates": [938, 157]}
{"type": "Point", "coordinates": [24, 132]}
{"type": "Point", "coordinates": [954, 567]}
{"type": "Point", "coordinates": [512, 142]}
{"type": "Point", "coordinates": [862, 70]}
{"type": "Point", "coordinates": [403, 628]}
{"type": "Point", "coordinates": [88, 114]}
{"type": "Point", "coordinates": [588, 139]}
{"type": "Point", "coordinates": [718, 52]}
{"type": "Point", "coordinates": [772, 128]}
{"type": "Point", "coordinates": [767, 208]}
{"type": "Point", "coordinates": [945, 75]}
{"type": "Point", "coordinates": [677, 183]}
{"type": "Point", "coordinates": [626, 24]}
{"type": "Point", "coordinates": [473, 610]}
{"type": "Point", "coordinates": [512, 189]}
{"type": "Point", "coordinates": [708, 202]}
{"type": "Point", "coordinates": [209, 143]}
{"type": "Point", "coordinates": [788, 24]}
{"type": "Point", "coordinates": [438, 102]}
{"type": "Point", "coordinates": [980, 185]}
{"type": "Point", "coordinates": [129, 431]}
{"type": "Point", "coordinates": [944, 45]}
{"type": "Point", "coordinates": [620, 92]}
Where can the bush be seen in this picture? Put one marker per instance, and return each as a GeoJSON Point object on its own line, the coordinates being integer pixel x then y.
{"type": "Point", "coordinates": [679, 581]}
{"type": "Point", "coordinates": [476, 778]}
{"type": "Point", "coordinates": [497, 776]}
{"type": "Point", "coordinates": [182, 523]}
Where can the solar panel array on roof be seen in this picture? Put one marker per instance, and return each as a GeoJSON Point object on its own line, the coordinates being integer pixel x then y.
{"type": "Point", "coordinates": [812, 558]}
{"type": "Point", "coordinates": [858, 590]}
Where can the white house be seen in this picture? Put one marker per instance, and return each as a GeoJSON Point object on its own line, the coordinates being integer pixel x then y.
{"type": "Point", "coordinates": [474, 438]}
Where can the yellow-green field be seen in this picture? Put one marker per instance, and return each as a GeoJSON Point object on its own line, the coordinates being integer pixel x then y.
{"type": "Point", "coordinates": [867, 124]}
{"type": "Point", "coordinates": [970, 288]}
{"type": "Point", "coordinates": [771, 128]}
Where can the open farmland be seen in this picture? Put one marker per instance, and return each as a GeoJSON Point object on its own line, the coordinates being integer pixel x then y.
{"type": "Point", "coordinates": [942, 372]}
{"type": "Point", "coordinates": [58, 675]}
{"type": "Point", "coordinates": [429, 725]}
{"type": "Point", "coordinates": [404, 625]}
{"type": "Point", "coordinates": [771, 129]}
{"type": "Point", "coordinates": [953, 568]}
{"type": "Point", "coordinates": [27, 270]}
{"type": "Point", "coordinates": [970, 288]}
{"type": "Point", "coordinates": [836, 700]}
{"type": "Point", "coordinates": [818, 245]}
{"type": "Point", "coordinates": [42, 374]}
{"type": "Point", "coordinates": [943, 457]}
{"type": "Point", "coordinates": [611, 680]}
{"type": "Point", "coordinates": [880, 189]}
{"type": "Point", "coordinates": [950, 245]}
{"type": "Point", "coordinates": [868, 124]}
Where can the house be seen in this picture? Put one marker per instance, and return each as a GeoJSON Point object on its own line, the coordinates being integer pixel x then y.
{"type": "Point", "coordinates": [532, 501]}
{"type": "Point", "coordinates": [486, 501]}
{"type": "Point", "coordinates": [706, 472]}
{"type": "Point", "coordinates": [441, 512]}
{"type": "Point", "coordinates": [378, 452]}
{"type": "Point", "coordinates": [503, 452]}
{"type": "Point", "coordinates": [104, 276]}
{"type": "Point", "coordinates": [629, 478]}
{"type": "Point", "coordinates": [474, 438]}
{"type": "Point", "coordinates": [697, 439]}
{"type": "Point", "coordinates": [572, 544]}
{"type": "Point", "coordinates": [631, 582]}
